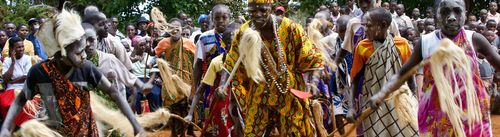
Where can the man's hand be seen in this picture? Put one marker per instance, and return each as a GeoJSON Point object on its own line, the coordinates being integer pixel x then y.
{"type": "Point", "coordinates": [375, 101]}
{"type": "Point", "coordinates": [220, 93]}
{"type": "Point", "coordinates": [5, 133]}
{"type": "Point", "coordinates": [189, 118]}
{"type": "Point", "coordinates": [146, 88]}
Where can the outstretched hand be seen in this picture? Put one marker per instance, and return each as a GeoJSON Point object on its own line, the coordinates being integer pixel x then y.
{"type": "Point", "coordinates": [220, 93]}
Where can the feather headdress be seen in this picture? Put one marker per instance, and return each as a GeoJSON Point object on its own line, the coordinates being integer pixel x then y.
{"type": "Point", "coordinates": [59, 31]}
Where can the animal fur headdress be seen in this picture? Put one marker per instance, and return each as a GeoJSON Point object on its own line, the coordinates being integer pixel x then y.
{"type": "Point", "coordinates": [59, 31]}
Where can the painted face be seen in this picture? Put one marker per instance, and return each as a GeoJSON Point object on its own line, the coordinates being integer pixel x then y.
{"type": "Point", "coordinates": [102, 28]}
{"type": "Point", "coordinates": [451, 17]}
{"type": "Point", "coordinates": [10, 29]}
{"type": "Point", "coordinates": [19, 48]}
{"type": "Point", "coordinates": [260, 14]}
{"type": "Point", "coordinates": [130, 31]}
{"type": "Point", "coordinates": [176, 32]}
{"type": "Point", "coordinates": [23, 32]}
{"type": "Point", "coordinates": [221, 20]}
{"type": "Point", "coordinates": [77, 54]}
{"type": "Point", "coordinates": [91, 45]}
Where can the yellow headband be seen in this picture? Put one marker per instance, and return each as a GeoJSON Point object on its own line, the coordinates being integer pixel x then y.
{"type": "Point", "coordinates": [261, 1]}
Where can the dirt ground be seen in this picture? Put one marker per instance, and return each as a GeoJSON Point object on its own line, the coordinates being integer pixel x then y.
{"type": "Point", "coordinates": [494, 119]}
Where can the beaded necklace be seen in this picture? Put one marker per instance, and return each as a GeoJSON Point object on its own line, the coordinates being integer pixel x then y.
{"type": "Point", "coordinates": [283, 73]}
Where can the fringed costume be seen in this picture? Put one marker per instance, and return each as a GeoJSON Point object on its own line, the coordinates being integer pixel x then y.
{"type": "Point", "coordinates": [270, 102]}
{"type": "Point", "coordinates": [377, 62]}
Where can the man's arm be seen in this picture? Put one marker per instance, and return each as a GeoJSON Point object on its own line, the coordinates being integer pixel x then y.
{"type": "Point", "coordinates": [105, 85]}
{"type": "Point", "coordinates": [482, 46]}
{"type": "Point", "coordinates": [197, 72]}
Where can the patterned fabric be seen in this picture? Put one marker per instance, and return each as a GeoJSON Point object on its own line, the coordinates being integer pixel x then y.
{"type": "Point", "coordinates": [180, 55]}
{"type": "Point", "coordinates": [340, 82]}
{"type": "Point", "coordinates": [74, 105]}
{"type": "Point", "coordinates": [433, 121]}
{"type": "Point", "coordinates": [380, 61]}
{"type": "Point", "coordinates": [264, 106]}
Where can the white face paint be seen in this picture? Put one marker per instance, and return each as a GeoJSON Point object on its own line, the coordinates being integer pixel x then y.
{"type": "Point", "coordinates": [77, 55]}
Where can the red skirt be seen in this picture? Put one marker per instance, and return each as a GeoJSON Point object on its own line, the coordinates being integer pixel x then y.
{"type": "Point", "coordinates": [7, 98]}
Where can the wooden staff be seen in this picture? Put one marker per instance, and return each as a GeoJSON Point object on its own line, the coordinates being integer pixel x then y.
{"type": "Point", "coordinates": [369, 110]}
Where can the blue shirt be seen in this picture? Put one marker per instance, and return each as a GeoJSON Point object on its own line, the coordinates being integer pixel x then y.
{"type": "Point", "coordinates": [37, 45]}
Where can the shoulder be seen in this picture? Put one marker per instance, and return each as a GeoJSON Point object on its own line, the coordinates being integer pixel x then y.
{"type": "Point", "coordinates": [400, 41]}
{"type": "Point", "coordinates": [364, 45]}
{"type": "Point", "coordinates": [207, 33]}
{"type": "Point", "coordinates": [164, 41]}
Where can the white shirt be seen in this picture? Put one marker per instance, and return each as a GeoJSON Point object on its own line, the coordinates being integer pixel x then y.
{"type": "Point", "coordinates": [403, 21]}
{"type": "Point", "coordinates": [139, 67]}
{"type": "Point", "coordinates": [21, 68]}
{"type": "Point", "coordinates": [495, 17]}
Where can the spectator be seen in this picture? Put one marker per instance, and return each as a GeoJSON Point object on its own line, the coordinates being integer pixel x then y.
{"type": "Point", "coordinates": [483, 15]}
{"type": "Point", "coordinates": [429, 29]}
{"type": "Point", "coordinates": [114, 26]}
{"type": "Point", "coordinates": [411, 36]}
{"type": "Point", "coordinates": [190, 25]}
{"type": "Point", "coordinates": [386, 6]}
{"type": "Point", "coordinates": [429, 13]}
{"type": "Point", "coordinates": [473, 26]}
{"type": "Point", "coordinates": [335, 12]}
{"type": "Point", "coordinates": [3, 38]}
{"type": "Point", "coordinates": [429, 21]}
{"type": "Point", "coordinates": [183, 17]}
{"type": "Point", "coordinates": [471, 19]}
{"type": "Point", "coordinates": [10, 29]}
{"type": "Point", "coordinates": [354, 10]}
{"type": "Point", "coordinates": [142, 25]}
{"type": "Point", "coordinates": [401, 19]}
{"type": "Point", "coordinates": [22, 33]}
{"type": "Point", "coordinates": [14, 72]}
{"type": "Point", "coordinates": [280, 11]}
{"type": "Point", "coordinates": [186, 33]}
{"type": "Point", "coordinates": [131, 33]}
{"type": "Point", "coordinates": [493, 14]}
{"type": "Point", "coordinates": [393, 5]}
{"type": "Point", "coordinates": [481, 28]}
{"type": "Point", "coordinates": [37, 45]}
{"type": "Point", "coordinates": [491, 25]}
{"type": "Point", "coordinates": [486, 71]}
{"type": "Point", "coordinates": [204, 22]}
{"type": "Point", "coordinates": [490, 36]}
{"type": "Point", "coordinates": [415, 15]}
{"type": "Point", "coordinates": [420, 27]}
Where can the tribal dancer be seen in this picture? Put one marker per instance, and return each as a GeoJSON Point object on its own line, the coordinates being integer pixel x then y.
{"type": "Point", "coordinates": [179, 52]}
{"type": "Point", "coordinates": [286, 55]}
{"type": "Point", "coordinates": [433, 120]}
{"type": "Point", "coordinates": [376, 59]}
{"type": "Point", "coordinates": [355, 33]}
{"type": "Point", "coordinates": [64, 81]}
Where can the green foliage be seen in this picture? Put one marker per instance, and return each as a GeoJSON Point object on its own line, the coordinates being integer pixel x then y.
{"type": "Point", "coordinates": [22, 12]}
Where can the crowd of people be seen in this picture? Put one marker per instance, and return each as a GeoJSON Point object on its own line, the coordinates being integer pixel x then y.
{"type": "Point", "coordinates": [260, 77]}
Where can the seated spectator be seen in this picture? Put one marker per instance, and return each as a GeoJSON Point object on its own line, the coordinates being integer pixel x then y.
{"type": "Point", "coordinates": [3, 38]}
{"type": "Point", "coordinates": [186, 33]}
{"type": "Point", "coordinates": [14, 71]}
{"type": "Point", "coordinates": [22, 33]}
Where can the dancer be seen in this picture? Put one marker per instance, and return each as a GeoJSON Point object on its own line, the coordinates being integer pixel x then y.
{"type": "Point", "coordinates": [64, 81]}
{"type": "Point", "coordinates": [376, 59]}
{"type": "Point", "coordinates": [286, 54]}
{"type": "Point", "coordinates": [433, 121]}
